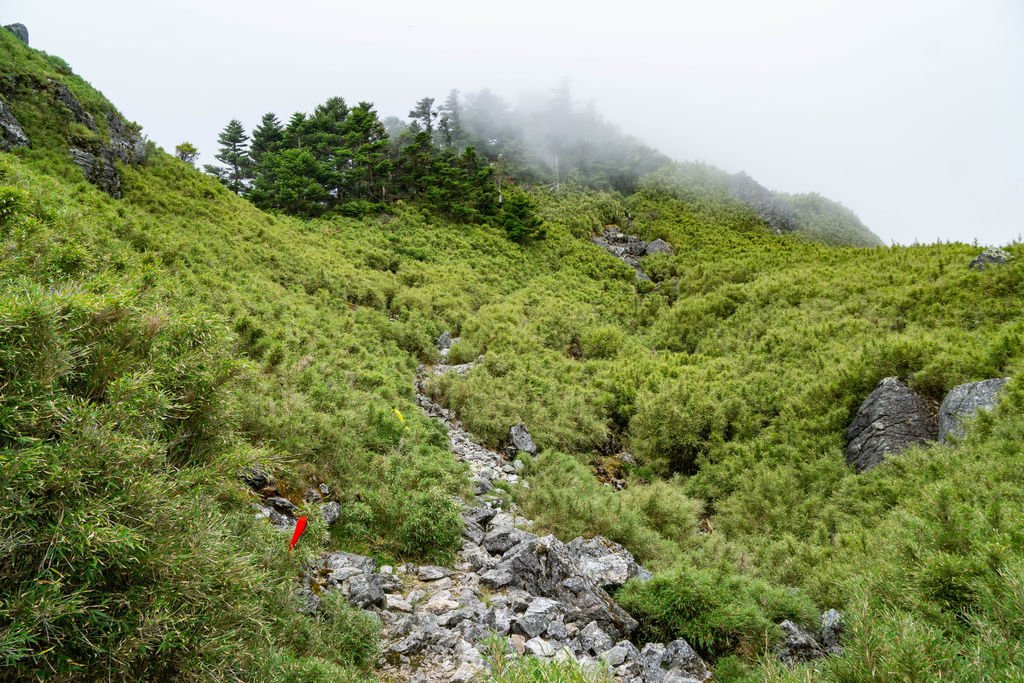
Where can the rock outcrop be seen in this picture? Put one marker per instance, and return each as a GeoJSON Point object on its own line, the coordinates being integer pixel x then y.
{"type": "Point", "coordinates": [98, 159]}
{"type": "Point", "coordinates": [963, 402]}
{"type": "Point", "coordinates": [993, 256]}
{"type": "Point", "coordinates": [630, 248]}
{"type": "Point", "coordinates": [12, 135]}
{"type": "Point", "coordinates": [19, 30]}
{"type": "Point", "coordinates": [891, 419]}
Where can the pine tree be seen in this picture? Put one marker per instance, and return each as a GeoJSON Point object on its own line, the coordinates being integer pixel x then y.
{"type": "Point", "coordinates": [267, 137]}
{"type": "Point", "coordinates": [424, 114]}
{"type": "Point", "coordinates": [234, 154]}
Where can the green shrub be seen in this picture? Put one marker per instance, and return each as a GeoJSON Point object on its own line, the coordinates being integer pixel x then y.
{"type": "Point", "coordinates": [716, 611]}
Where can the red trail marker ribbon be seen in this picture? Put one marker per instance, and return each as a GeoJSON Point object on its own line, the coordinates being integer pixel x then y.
{"type": "Point", "coordinates": [300, 526]}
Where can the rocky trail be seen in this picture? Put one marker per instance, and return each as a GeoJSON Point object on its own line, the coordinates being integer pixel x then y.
{"type": "Point", "coordinates": [509, 588]}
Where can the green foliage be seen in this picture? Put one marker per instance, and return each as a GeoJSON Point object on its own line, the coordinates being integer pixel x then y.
{"type": "Point", "coordinates": [519, 220]}
{"type": "Point", "coordinates": [715, 610]}
{"type": "Point", "coordinates": [505, 666]}
{"type": "Point", "coordinates": [154, 346]}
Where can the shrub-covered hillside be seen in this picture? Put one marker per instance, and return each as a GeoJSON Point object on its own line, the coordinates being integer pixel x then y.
{"type": "Point", "coordinates": [157, 345]}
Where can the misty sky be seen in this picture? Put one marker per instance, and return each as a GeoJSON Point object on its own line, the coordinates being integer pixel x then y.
{"type": "Point", "coordinates": [910, 112]}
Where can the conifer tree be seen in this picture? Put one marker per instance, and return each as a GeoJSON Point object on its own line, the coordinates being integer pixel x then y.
{"type": "Point", "coordinates": [267, 137]}
{"type": "Point", "coordinates": [234, 154]}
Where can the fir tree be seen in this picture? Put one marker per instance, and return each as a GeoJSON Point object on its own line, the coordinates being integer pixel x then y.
{"type": "Point", "coordinates": [234, 155]}
{"type": "Point", "coordinates": [267, 137]}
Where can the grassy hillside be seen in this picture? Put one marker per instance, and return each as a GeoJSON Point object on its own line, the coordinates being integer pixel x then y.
{"type": "Point", "coordinates": [155, 346]}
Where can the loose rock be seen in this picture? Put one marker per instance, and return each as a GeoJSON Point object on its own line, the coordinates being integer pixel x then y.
{"type": "Point", "coordinates": [993, 256]}
{"type": "Point", "coordinates": [964, 401]}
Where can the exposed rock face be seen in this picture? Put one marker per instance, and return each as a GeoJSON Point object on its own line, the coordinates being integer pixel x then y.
{"type": "Point", "coordinates": [11, 133]}
{"type": "Point", "coordinates": [891, 419]}
{"type": "Point", "coordinates": [630, 248]}
{"type": "Point", "coordinates": [126, 143]}
{"type": "Point", "coordinates": [993, 256]}
{"type": "Point", "coordinates": [96, 159]}
{"type": "Point", "coordinates": [99, 169]}
{"type": "Point", "coordinates": [964, 401]}
{"type": "Point", "coordinates": [19, 30]}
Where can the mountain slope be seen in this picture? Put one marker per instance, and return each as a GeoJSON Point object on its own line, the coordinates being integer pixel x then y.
{"type": "Point", "coordinates": [157, 345]}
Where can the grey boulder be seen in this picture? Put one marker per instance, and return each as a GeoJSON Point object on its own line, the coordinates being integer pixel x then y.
{"type": "Point", "coordinates": [606, 563]}
{"type": "Point", "coordinates": [521, 439]}
{"type": "Point", "coordinates": [963, 402]}
{"type": "Point", "coordinates": [993, 256]}
{"type": "Point", "coordinates": [891, 419]}
{"type": "Point", "coordinates": [797, 645]}
{"type": "Point", "coordinates": [19, 30]}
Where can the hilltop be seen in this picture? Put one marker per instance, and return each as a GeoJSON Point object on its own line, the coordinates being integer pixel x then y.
{"type": "Point", "coordinates": [167, 346]}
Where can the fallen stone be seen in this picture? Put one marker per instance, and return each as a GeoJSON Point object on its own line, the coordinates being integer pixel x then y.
{"type": "Point", "coordinates": [282, 504]}
{"type": "Point", "coordinates": [680, 658]}
{"type": "Point", "coordinates": [397, 603]}
{"type": "Point", "coordinates": [658, 246]}
{"type": "Point", "coordinates": [964, 401]}
{"type": "Point", "coordinates": [331, 512]}
{"type": "Point", "coordinates": [993, 256]}
{"type": "Point", "coordinates": [433, 573]}
{"type": "Point", "coordinates": [499, 540]}
{"type": "Point", "coordinates": [521, 439]}
{"type": "Point", "coordinates": [538, 615]}
{"type": "Point", "coordinates": [362, 591]}
{"type": "Point", "coordinates": [594, 640]}
{"type": "Point", "coordinates": [256, 479]}
{"type": "Point", "coordinates": [606, 563]}
{"type": "Point", "coordinates": [797, 645]}
{"type": "Point", "coordinates": [539, 647]}
{"type": "Point", "coordinates": [440, 603]}
{"type": "Point", "coordinates": [832, 628]}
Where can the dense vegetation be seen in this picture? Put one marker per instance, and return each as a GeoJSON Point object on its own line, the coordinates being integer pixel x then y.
{"type": "Point", "coordinates": [155, 346]}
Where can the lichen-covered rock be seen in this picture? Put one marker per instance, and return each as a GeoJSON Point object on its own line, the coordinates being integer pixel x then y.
{"type": "Point", "coordinates": [682, 660]}
{"type": "Point", "coordinates": [331, 512]}
{"type": "Point", "coordinates": [891, 419]}
{"type": "Point", "coordinates": [964, 401]}
{"type": "Point", "coordinates": [606, 563]}
{"type": "Point", "coordinates": [832, 628]}
{"type": "Point", "coordinates": [99, 169]}
{"type": "Point", "coordinates": [797, 645]}
{"type": "Point", "coordinates": [12, 135]}
{"type": "Point", "coordinates": [126, 143]}
{"type": "Point", "coordinates": [658, 246]}
{"type": "Point", "coordinates": [993, 256]}
{"type": "Point", "coordinates": [19, 30]}
{"type": "Point", "coordinates": [630, 248]}
{"type": "Point", "coordinates": [67, 99]}
{"type": "Point", "coordinates": [521, 439]}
